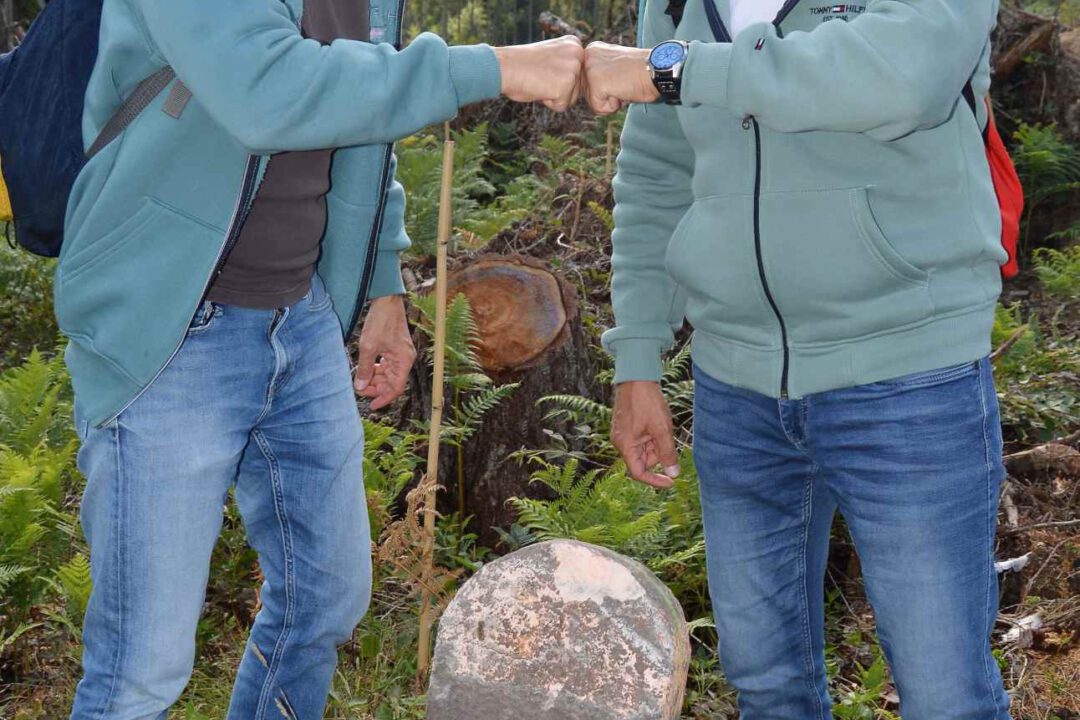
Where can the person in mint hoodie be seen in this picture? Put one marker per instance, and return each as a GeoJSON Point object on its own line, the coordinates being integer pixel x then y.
{"type": "Point", "coordinates": [217, 256]}
{"type": "Point", "coordinates": [804, 183]}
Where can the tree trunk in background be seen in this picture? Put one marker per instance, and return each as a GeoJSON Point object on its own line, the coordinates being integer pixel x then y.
{"type": "Point", "coordinates": [7, 10]}
{"type": "Point", "coordinates": [530, 333]}
{"type": "Point", "coordinates": [1050, 89]}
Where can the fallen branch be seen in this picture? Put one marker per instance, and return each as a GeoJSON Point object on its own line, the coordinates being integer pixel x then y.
{"type": "Point", "coordinates": [1040, 526]}
{"type": "Point", "coordinates": [552, 24]}
{"type": "Point", "coordinates": [1008, 504]}
{"type": "Point", "coordinates": [1051, 457]}
{"type": "Point", "coordinates": [1007, 345]}
{"type": "Point", "coordinates": [1035, 41]}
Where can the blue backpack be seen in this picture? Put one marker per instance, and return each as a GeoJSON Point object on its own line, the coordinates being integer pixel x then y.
{"type": "Point", "coordinates": [42, 89]}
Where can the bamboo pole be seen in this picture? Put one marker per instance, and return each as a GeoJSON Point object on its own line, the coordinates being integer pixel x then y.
{"type": "Point", "coordinates": [431, 479]}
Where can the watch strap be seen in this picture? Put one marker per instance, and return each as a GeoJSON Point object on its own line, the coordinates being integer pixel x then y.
{"type": "Point", "coordinates": [669, 87]}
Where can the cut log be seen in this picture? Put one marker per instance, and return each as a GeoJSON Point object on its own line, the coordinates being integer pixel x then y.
{"type": "Point", "coordinates": [561, 631]}
{"type": "Point", "coordinates": [530, 333]}
{"type": "Point", "coordinates": [519, 308]}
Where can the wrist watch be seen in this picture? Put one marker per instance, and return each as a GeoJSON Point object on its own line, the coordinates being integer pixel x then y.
{"type": "Point", "coordinates": [665, 68]}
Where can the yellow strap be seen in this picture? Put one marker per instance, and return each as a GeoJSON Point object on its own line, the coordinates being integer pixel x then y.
{"type": "Point", "coordinates": [5, 201]}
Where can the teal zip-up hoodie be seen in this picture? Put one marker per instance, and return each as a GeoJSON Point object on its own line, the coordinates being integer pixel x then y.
{"type": "Point", "coordinates": [152, 216]}
{"type": "Point", "coordinates": [820, 207]}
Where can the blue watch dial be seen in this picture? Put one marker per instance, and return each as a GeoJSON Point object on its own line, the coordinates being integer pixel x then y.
{"type": "Point", "coordinates": [667, 55]}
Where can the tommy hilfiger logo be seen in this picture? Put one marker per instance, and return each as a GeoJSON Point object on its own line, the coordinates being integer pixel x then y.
{"type": "Point", "coordinates": [837, 9]}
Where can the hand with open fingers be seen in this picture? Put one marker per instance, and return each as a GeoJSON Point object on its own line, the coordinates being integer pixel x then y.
{"type": "Point", "coordinates": [549, 72]}
{"type": "Point", "coordinates": [644, 435]}
{"type": "Point", "coordinates": [617, 75]}
{"type": "Point", "coordinates": [386, 353]}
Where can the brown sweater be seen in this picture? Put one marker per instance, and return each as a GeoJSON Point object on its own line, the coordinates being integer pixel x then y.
{"type": "Point", "coordinates": [274, 259]}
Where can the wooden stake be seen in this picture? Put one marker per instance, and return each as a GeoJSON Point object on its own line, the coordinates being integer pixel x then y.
{"type": "Point", "coordinates": [431, 479]}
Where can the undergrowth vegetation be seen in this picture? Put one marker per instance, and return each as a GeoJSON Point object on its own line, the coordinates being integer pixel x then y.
{"type": "Point", "coordinates": [547, 194]}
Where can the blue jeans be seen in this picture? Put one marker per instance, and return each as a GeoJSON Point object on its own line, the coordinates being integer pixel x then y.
{"type": "Point", "coordinates": [914, 466]}
{"type": "Point", "coordinates": [259, 400]}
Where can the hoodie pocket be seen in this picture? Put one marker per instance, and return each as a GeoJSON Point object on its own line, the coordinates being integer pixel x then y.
{"type": "Point", "coordinates": [832, 270]}
{"type": "Point", "coordinates": [131, 295]}
{"type": "Point", "coordinates": [711, 256]}
{"type": "Point", "coordinates": [92, 251]}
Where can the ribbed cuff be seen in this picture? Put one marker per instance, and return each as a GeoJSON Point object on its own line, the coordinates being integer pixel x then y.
{"type": "Point", "coordinates": [475, 72]}
{"type": "Point", "coordinates": [637, 359]}
{"type": "Point", "coordinates": [705, 74]}
{"type": "Point", "coordinates": [386, 278]}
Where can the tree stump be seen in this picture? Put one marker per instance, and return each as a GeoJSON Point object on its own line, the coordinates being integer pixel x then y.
{"type": "Point", "coordinates": [561, 631]}
{"type": "Point", "coordinates": [530, 333]}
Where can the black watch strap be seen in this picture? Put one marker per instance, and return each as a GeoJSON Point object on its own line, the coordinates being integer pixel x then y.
{"type": "Point", "coordinates": [670, 87]}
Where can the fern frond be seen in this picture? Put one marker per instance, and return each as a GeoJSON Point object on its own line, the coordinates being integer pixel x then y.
{"type": "Point", "coordinates": [677, 366]}
{"type": "Point", "coordinates": [10, 573]}
{"type": "Point", "coordinates": [577, 408]}
{"type": "Point", "coordinates": [74, 578]}
{"type": "Point", "coordinates": [603, 214]}
{"type": "Point", "coordinates": [474, 408]}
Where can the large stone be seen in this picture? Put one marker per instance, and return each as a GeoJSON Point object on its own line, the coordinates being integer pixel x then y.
{"type": "Point", "coordinates": [561, 630]}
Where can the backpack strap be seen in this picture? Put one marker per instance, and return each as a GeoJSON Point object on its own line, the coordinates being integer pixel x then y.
{"type": "Point", "coordinates": [131, 108]}
{"type": "Point", "coordinates": [973, 105]}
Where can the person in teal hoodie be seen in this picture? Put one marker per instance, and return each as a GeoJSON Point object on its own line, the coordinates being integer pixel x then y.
{"type": "Point", "coordinates": [218, 255]}
{"type": "Point", "coordinates": [805, 183]}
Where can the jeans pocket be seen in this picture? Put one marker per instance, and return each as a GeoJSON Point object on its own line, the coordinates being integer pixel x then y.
{"type": "Point", "coordinates": [204, 318]}
{"type": "Point", "coordinates": [931, 378]}
{"type": "Point", "coordinates": [320, 302]}
{"type": "Point", "coordinates": [318, 297]}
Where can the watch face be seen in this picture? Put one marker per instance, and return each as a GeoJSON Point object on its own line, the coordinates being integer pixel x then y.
{"type": "Point", "coordinates": [667, 55]}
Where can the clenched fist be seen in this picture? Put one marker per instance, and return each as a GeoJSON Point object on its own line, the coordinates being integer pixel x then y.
{"type": "Point", "coordinates": [547, 72]}
{"type": "Point", "coordinates": [617, 75]}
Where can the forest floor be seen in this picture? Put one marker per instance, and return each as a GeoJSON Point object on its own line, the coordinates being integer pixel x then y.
{"type": "Point", "coordinates": [565, 223]}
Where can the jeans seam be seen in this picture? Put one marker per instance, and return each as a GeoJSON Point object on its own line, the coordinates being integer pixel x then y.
{"type": "Point", "coordinates": [281, 370]}
{"type": "Point", "coordinates": [320, 304]}
{"type": "Point", "coordinates": [784, 423]}
{"type": "Point", "coordinates": [290, 605]}
{"type": "Point", "coordinates": [933, 378]}
{"type": "Point", "coordinates": [980, 383]}
{"type": "Point", "coordinates": [119, 559]}
{"type": "Point", "coordinates": [810, 673]}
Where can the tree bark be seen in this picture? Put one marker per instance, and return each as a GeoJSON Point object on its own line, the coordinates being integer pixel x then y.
{"type": "Point", "coordinates": [530, 333]}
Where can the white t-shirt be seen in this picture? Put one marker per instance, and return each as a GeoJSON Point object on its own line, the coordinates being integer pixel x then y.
{"type": "Point", "coordinates": [748, 12]}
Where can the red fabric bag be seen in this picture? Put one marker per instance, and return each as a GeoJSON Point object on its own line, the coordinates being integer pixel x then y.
{"type": "Point", "coordinates": [1010, 193]}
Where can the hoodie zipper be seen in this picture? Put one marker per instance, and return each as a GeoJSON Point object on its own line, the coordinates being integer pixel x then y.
{"type": "Point", "coordinates": [373, 245]}
{"type": "Point", "coordinates": [721, 34]}
{"type": "Point", "coordinates": [236, 224]}
{"type": "Point", "coordinates": [380, 210]}
{"type": "Point", "coordinates": [747, 124]}
{"type": "Point", "coordinates": [243, 204]}
{"type": "Point", "coordinates": [715, 23]}
{"type": "Point", "coordinates": [784, 12]}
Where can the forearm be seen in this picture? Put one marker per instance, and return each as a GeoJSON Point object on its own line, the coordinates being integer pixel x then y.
{"type": "Point", "coordinates": [899, 67]}
{"type": "Point", "coordinates": [652, 194]}
{"type": "Point", "coordinates": [247, 63]}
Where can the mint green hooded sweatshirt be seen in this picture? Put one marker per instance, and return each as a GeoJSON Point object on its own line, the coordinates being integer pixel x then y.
{"type": "Point", "coordinates": [153, 215]}
{"type": "Point", "coordinates": [820, 207]}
